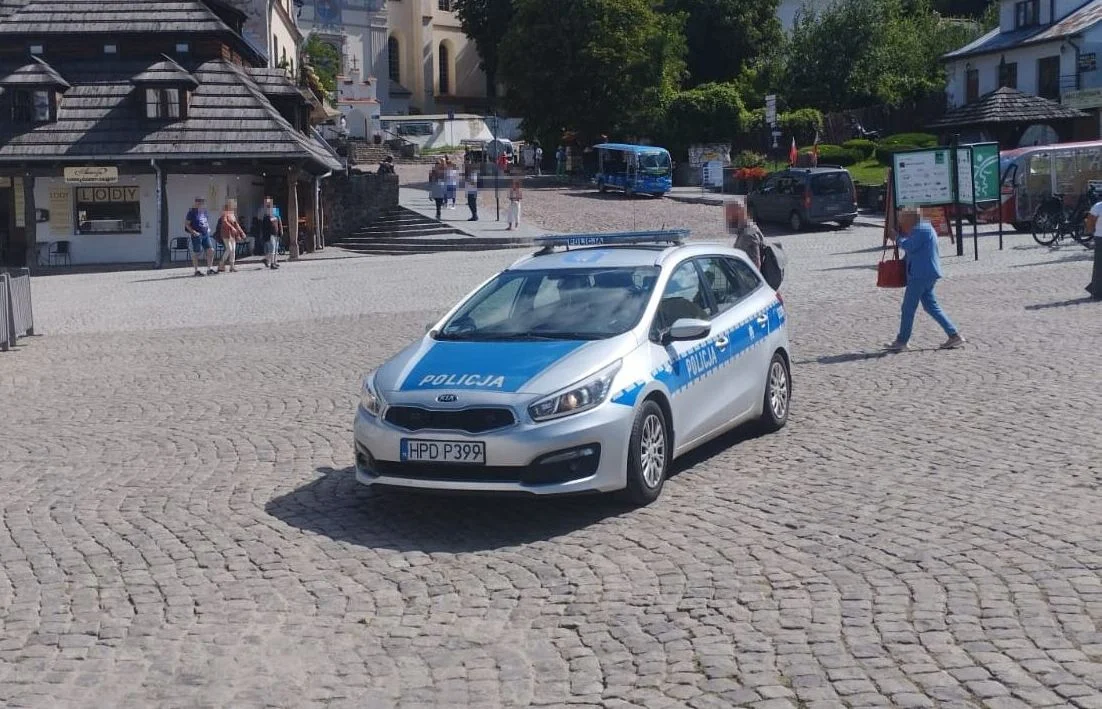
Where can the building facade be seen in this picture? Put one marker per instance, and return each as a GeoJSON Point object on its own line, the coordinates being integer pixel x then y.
{"type": "Point", "coordinates": [1049, 49]}
{"type": "Point", "coordinates": [112, 126]}
{"type": "Point", "coordinates": [271, 27]}
{"type": "Point", "coordinates": [414, 51]}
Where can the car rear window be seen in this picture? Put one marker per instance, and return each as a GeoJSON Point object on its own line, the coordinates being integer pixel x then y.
{"type": "Point", "coordinates": [830, 183]}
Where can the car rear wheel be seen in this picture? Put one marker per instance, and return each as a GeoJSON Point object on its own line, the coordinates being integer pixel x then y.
{"type": "Point", "coordinates": [845, 223]}
{"type": "Point", "coordinates": [778, 394]}
{"type": "Point", "coordinates": [795, 221]}
{"type": "Point", "coordinates": [601, 186]}
{"type": "Point", "coordinates": [648, 455]}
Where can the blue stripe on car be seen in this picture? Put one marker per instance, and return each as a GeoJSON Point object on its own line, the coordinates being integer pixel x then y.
{"type": "Point", "coordinates": [485, 366]}
{"type": "Point", "coordinates": [700, 361]}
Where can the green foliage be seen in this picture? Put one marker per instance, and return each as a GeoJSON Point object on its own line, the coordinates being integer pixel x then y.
{"type": "Point", "coordinates": [836, 155]}
{"type": "Point", "coordinates": [862, 52]}
{"type": "Point", "coordinates": [711, 113]}
{"type": "Point", "coordinates": [725, 37]}
{"type": "Point", "coordinates": [748, 158]}
{"type": "Point", "coordinates": [325, 61]}
{"type": "Point", "coordinates": [921, 140]}
{"type": "Point", "coordinates": [594, 66]}
{"type": "Point", "coordinates": [863, 148]}
{"type": "Point", "coordinates": [485, 22]}
{"type": "Point", "coordinates": [803, 124]}
{"type": "Point", "coordinates": [884, 152]}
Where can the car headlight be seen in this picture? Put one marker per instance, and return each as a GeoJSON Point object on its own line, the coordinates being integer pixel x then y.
{"type": "Point", "coordinates": [370, 399]}
{"type": "Point", "coordinates": [580, 397]}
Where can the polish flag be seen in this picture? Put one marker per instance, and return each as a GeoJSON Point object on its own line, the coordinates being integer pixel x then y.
{"type": "Point", "coordinates": [793, 153]}
{"type": "Point", "coordinates": [815, 150]}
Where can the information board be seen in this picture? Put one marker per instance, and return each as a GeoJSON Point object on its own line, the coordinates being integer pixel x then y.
{"type": "Point", "coordinates": [923, 178]}
{"type": "Point", "coordinates": [964, 174]}
{"type": "Point", "coordinates": [985, 171]}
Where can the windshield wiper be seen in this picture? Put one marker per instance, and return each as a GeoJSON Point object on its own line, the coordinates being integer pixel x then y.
{"type": "Point", "coordinates": [496, 337]}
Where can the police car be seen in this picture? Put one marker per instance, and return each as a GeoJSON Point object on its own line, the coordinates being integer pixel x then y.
{"type": "Point", "coordinates": [586, 367]}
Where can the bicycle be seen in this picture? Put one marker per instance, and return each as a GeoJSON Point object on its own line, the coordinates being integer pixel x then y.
{"type": "Point", "coordinates": [1053, 220]}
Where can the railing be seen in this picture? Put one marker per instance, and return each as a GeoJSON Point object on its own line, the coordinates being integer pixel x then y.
{"type": "Point", "coordinates": [16, 314]}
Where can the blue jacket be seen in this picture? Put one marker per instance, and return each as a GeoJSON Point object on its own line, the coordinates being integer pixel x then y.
{"type": "Point", "coordinates": [920, 249]}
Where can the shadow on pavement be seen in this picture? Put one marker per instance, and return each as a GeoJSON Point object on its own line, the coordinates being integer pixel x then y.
{"type": "Point", "coordinates": [338, 507]}
{"type": "Point", "coordinates": [1061, 303]}
{"type": "Point", "coordinates": [1081, 256]}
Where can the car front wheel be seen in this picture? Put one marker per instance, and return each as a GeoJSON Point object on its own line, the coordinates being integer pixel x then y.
{"type": "Point", "coordinates": [648, 455]}
{"type": "Point", "coordinates": [778, 394]}
{"type": "Point", "coordinates": [795, 221]}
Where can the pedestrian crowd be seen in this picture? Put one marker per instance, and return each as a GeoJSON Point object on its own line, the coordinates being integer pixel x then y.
{"type": "Point", "coordinates": [228, 232]}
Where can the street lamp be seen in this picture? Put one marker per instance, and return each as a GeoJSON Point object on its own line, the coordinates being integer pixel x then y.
{"type": "Point", "coordinates": [497, 176]}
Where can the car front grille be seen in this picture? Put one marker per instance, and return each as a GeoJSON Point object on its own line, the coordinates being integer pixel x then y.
{"type": "Point", "coordinates": [476, 420]}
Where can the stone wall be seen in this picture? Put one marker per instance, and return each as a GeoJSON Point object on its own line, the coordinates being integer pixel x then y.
{"type": "Point", "coordinates": [353, 202]}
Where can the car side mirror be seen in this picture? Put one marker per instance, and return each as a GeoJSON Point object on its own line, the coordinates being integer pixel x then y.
{"type": "Point", "coordinates": [686, 329]}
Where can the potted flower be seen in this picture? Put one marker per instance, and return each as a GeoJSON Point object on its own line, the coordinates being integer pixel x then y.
{"type": "Point", "coordinates": [749, 178]}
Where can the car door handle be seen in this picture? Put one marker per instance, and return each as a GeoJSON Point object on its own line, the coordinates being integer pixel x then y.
{"type": "Point", "coordinates": [721, 342]}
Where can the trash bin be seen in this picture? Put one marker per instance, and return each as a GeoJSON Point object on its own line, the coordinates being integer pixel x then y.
{"type": "Point", "coordinates": [1095, 288]}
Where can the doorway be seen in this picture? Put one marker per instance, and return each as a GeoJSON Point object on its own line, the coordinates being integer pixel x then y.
{"type": "Point", "coordinates": [7, 226]}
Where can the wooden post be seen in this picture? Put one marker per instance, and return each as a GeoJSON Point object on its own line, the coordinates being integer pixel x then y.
{"type": "Point", "coordinates": [292, 212]}
{"type": "Point", "coordinates": [317, 213]}
{"type": "Point", "coordinates": [162, 215]}
{"type": "Point", "coordinates": [30, 222]}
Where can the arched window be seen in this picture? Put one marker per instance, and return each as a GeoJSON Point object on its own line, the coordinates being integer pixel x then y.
{"type": "Point", "coordinates": [394, 59]}
{"type": "Point", "coordinates": [445, 60]}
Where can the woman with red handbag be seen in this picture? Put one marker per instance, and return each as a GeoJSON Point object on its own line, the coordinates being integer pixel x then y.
{"type": "Point", "coordinates": [918, 240]}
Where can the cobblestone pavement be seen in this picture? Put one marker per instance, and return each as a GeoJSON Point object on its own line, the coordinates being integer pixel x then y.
{"type": "Point", "coordinates": [179, 525]}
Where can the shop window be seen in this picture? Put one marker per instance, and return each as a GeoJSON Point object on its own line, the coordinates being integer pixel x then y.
{"type": "Point", "coordinates": [164, 103]}
{"type": "Point", "coordinates": [109, 210]}
{"type": "Point", "coordinates": [31, 105]}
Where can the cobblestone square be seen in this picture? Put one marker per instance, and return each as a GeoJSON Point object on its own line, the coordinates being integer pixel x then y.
{"type": "Point", "coordinates": [179, 524]}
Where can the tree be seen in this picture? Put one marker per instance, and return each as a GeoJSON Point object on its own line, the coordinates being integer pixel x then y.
{"type": "Point", "coordinates": [485, 22]}
{"type": "Point", "coordinates": [711, 113]}
{"type": "Point", "coordinates": [325, 61]}
{"type": "Point", "coordinates": [593, 66]}
{"type": "Point", "coordinates": [726, 36]}
{"type": "Point", "coordinates": [862, 52]}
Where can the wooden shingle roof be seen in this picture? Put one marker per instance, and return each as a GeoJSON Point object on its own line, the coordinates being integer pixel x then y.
{"type": "Point", "coordinates": [102, 117]}
{"type": "Point", "coordinates": [36, 74]}
{"type": "Point", "coordinates": [107, 16]}
{"type": "Point", "coordinates": [1007, 105]}
{"type": "Point", "coordinates": [166, 71]}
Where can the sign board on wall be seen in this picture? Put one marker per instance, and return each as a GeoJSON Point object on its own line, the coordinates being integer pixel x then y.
{"type": "Point", "coordinates": [92, 175]}
{"type": "Point", "coordinates": [922, 178]}
{"type": "Point", "coordinates": [20, 205]}
{"type": "Point", "coordinates": [1082, 99]}
{"type": "Point", "coordinates": [702, 153]}
{"type": "Point", "coordinates": [61, 210]}
{"type": "Point", "coordinates": [109, 194]}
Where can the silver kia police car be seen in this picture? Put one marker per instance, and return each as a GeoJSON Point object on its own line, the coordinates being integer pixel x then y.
{"type": "Point", "coordinates": [586, 367]}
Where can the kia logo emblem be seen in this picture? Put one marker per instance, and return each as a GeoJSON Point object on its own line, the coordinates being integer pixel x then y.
{"type": "Point", "coordinates": [447, 398]}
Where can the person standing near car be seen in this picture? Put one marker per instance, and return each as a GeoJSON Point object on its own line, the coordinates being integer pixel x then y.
{"type": "Point", "coordinates": [918, 240]}
{"type": "Point", "coordinates": [197, 225]}
{"type": "Point", "coordinates": [514, 206]}
{"type": "Point", "coordinates": [748, 236]}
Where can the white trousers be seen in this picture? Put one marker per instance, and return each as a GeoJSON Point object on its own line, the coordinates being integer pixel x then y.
{"type": "Point", "coordinates": [514, 213]}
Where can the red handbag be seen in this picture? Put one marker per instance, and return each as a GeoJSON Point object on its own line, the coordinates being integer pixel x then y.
{"type": "Point", "coordinates": [891, 273]}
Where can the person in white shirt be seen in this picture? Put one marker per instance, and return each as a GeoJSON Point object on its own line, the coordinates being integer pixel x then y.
{"type": "Point", "coordinates": [1094, 226]}
{"type": "Point", "coordinates": [539, 160]}
{"type": "Point", "coordinates": [452, 182]}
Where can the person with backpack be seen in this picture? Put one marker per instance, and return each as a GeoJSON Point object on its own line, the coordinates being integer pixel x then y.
{"type": "Point", "coordinates": [748, 236]}
{"type": "Point", "coordinates": [228, 232]}
{"type": "Point", "coordinates": [271, 231]}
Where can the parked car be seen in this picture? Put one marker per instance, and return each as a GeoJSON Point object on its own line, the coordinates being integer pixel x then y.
{"type": "Point", "coordinates": [588, 369]}
{"type": "Point", "coordinates": [800, 196]}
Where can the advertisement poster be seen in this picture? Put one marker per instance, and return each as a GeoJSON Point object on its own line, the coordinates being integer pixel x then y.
{"type": "Point", "coordinates": [923, 178]}
{"type": "Point", "coordinates": [61, 211]}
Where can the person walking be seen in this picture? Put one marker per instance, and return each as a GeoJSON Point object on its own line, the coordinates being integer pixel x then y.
{"type": "Point", "coordinates": [197, 225]}
{"type": "Point", "coordinates": [514, 206]}
{"type": "Point", "coordinates": [748, 236]}
{"type": "Point", "coordinates": [539, 161]}
{"type": "Point", "coordinates": [438, 190]}
{"type": "Point", "coordinates": [918, 240]}
{"type": "Point", "coordinates": [271, 232]}
{"type": "Point", "coordinates": [230, 232]}
{"type": "Point", "coordinates": [560, 161]}
{"type": "Point", "coordinates": [471, 183]}
{"type": "Point", "coordinates": [452, 177]}
{"type": "Point", "coordinates": [1094, 226]}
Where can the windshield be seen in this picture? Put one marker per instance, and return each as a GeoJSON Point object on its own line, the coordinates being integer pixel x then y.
{"type": "Point", "coordinates": [561, 304]}
{"type": "Point", "coordinates": [654, 163]}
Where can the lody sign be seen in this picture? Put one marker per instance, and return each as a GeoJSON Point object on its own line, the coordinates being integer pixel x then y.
{"type": "Point", "coordinates": [92, 175]}
{"type": "Point", "coordinates": [108, 194]}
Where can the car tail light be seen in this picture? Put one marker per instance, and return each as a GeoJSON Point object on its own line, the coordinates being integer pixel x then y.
{"type": "Point", "coordinates": [780, 299]}
{"type": "Point", "coordinates": [807, 198]}
{"type": "Point", "coordinates": [853, 191]}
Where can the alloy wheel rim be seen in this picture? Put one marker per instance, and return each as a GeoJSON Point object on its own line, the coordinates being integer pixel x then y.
{"type": "Point", "coordinates": [778, 390]}
{"type": "Point", "coordinates": [795, 222]}
{"type": "Point", "coordinates": [652, 451]}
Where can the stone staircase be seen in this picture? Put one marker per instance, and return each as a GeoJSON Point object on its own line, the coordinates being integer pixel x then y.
{"type": "Point", "coordinates": [365, 153]}
{"type": "Point", "coordinates": [400, 231]}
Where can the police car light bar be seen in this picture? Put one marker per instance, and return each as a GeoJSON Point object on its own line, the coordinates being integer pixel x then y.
{"type": "Point", "coordinates": [668, 236]}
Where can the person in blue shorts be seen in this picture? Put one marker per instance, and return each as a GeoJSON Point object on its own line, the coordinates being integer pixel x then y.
{"type": "Point", "coordinates": [197, 225]}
